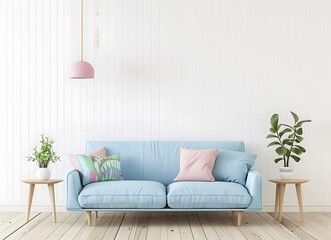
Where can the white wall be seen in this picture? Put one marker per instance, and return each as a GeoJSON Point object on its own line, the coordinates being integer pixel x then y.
{"type": "Point", "coordinates": [165, 70]}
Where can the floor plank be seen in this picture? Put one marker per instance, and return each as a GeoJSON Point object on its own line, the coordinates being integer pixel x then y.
{"type": "Point", "coordinates": [184, 226]}
{"type": "Point", "coordinates": [101, 228]}
{"type": "Point", "coordinates": [14, 224]}
{"type": "Point", "coordinates": [86, 230]}
{"type": "Point", "coordinates": [157, 227]}
{"type": "Point", "coordinates": [296, 230]}
{"type": "Point", "coordinates": [10, 221]}
{"type": "Point", "coordinates": [252, 230]}
{"type": "Point", "coordinates": [309, 225]}
{"type": "Point", "coordinates": [272, 227]}
{"type": "Point", "coordinates": [76, 227]}
{"type": "Point", "coordinates": [114, 226]}
{"type": "Point", "coordinates": [6, 217]}
{"type": "Point", "coordinates": [207, 226]}
{"type": "Point", "coordinates": [328, 214]}
{"type": "Point", "coordinates": [34, 233]}
{"type": "Point", "coordinates": [48, 227]}
{"type": "Point", "coordinates": [173, 231]}
{"type": "Point", "coordinates": [126, 226]}
{"type": "Point", "coordinates": [270, 219]}
{"type": "Point", "coordinates": [320, 219]}
{"type": "Point", "coordinates": [225, 227]}
{"type": "Point", "coordinates": [35, 222]}
{"type": "Point", "coordinates": [140, 227]}
{"type": "Point", "coordinates": [63, 228]}
{"type": "Point", "coordinates": [134, 226]}
{"type": "Point", "coordinates": [195, 225]}
{"type": "Point", "coordinates": [220, 227]}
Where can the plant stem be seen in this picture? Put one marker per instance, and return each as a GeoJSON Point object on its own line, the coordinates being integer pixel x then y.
{"type": "Point", "coordinates": [288, 157]}
{"type": "Point", "coordinates": [281, 144]}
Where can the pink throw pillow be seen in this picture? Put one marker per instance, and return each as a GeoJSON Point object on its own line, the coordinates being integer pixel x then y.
{"type": "Point", "coordinates": [74, 157]}
{"type": "Point", "coordinates": [196, 165]}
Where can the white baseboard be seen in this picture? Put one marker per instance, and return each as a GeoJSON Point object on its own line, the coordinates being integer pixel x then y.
{"type": "Point", "coordinates": [265, 208]}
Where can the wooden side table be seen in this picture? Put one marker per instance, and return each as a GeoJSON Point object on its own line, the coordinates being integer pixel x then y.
{"type": "Point", "coordinates": [50, 183]}
{"type": "Point", "coordinates": [280, 192]}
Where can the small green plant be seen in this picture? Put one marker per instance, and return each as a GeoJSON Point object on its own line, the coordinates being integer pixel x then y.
{"type": "Point", "coordinates": [45, 154]}
{"type": "Point", "coordinates": [287, 139]}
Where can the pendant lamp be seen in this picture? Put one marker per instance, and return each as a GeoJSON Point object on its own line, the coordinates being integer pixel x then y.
{"type": "Point", "coordinates": [81, 69]}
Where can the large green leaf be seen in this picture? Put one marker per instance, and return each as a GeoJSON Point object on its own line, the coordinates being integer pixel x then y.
{"type": "Point", "coordinates": [271, 136]}
{"type": "Point", "coordinates": [278, 159]}
{"type": "Point", "coordinates": [281, 151]}
{"type": "Point", "coordinates": [285, 131]}
{"type": "Point", "coordinates": [297, 151]}
{"type": "Point", "coordinates": [296, 158]}
{"type": "Point", "coordinates": [299, 139]}
{"type": "Point", "coordinates": [273, 143]}
{"type": "Point", "coordinates": [299, 131]}
{"type": "Point", "coordinates": [272, 130]}
{"type": "Point", "coordinates": [287, 142]}
{"type": "Point", "coordinates": [274, 121]}
{"type": "Point", "coordinates": [299, 124]}
{"type": "Point", "coordinates": [295, 117]}
{"type": "Point", "coordinates": [301, 148]}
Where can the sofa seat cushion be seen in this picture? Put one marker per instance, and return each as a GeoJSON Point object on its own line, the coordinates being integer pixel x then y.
{"type": "Point", "coordinates": [123, 194]}
{"type": "Point", "coordinates": [207, 195]}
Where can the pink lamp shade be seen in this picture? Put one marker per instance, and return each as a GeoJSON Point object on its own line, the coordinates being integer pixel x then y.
{"type": "Point", "coordinates": [82, 69]}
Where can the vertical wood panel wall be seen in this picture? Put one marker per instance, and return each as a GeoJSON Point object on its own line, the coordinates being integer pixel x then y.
{"type": "Point", "coordinates": [165, 70]}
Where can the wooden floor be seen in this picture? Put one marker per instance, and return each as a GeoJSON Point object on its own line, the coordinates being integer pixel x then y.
{"type": "Point", "coordinates": [154, 226]}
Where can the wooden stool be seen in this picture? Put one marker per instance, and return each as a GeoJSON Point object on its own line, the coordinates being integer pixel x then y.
{"type": "Point", "coordinates": [50, 183]}
{"type": "Point", "coordinates": [280, 192]}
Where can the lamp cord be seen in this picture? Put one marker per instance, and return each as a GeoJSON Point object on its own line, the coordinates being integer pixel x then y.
{"type": "Point", "coordinates": [81, 30]}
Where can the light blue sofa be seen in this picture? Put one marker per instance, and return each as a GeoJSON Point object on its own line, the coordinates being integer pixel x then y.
{"type": "Point", "coordinates": [149, 168]}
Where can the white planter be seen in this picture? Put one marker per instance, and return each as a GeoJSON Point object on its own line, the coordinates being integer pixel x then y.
{"type": "Point", "coordinates": [43, 174]}
{"type": "Point", "coordinates": [286, 172]}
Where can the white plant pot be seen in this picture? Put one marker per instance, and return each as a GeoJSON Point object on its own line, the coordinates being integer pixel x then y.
{"type": "Point", "coordinates": [286, 173]}
{"type": "Point", "coordinates": [43, 174]}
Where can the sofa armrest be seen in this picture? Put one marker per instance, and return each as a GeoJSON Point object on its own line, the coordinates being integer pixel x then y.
{"type": "Point", "coordinates": [254, 187]}
{"type": "Point", "coordinates": [74, 186]}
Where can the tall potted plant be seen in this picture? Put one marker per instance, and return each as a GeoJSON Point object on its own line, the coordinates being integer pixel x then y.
{"type": "Point", "coordinates": [43, 156]}
{"type": "Point", "coordinates": [287, 140]}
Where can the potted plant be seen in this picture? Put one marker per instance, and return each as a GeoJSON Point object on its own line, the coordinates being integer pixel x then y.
{"type": "Point", "coordinates": [287, 140]}
{"type": "Point", "coordinates": [43, 157]}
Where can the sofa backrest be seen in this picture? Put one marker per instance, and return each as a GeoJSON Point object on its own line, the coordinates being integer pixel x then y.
{"type": "Point", "coordinates": [156, 160]}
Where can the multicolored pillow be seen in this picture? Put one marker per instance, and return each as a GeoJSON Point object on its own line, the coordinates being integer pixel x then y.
{"type": "Point", "coordinates": [74, 157]}
{"type": "Point", "coordinates": [100, 168]}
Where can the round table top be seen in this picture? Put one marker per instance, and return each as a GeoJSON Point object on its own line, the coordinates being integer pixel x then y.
{"type": "Point", "coordinates": [288, 181]}
{"type": "Point", "coordinates": [36, 181]}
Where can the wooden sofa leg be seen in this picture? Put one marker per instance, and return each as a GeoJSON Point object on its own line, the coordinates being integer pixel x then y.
{"type": "Point", "coordinates": [96, 214]}
{"type": "Point", "coordinates": [237, 217]}
{"type": "Point", "coordinates": [89, 218]}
